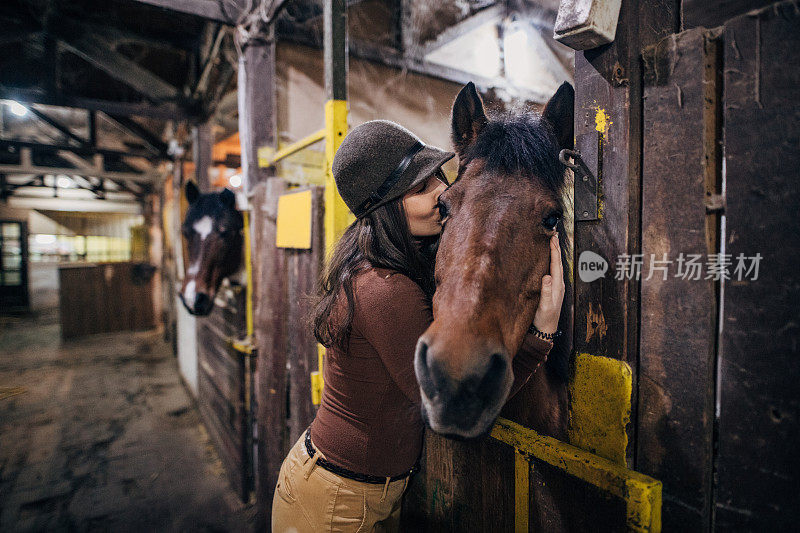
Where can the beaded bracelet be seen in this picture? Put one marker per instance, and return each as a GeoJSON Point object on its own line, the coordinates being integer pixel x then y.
{"type": "Point", "coordinates": [543, 335]}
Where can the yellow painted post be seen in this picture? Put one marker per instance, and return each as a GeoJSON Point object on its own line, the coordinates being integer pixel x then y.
{"type": "Point", "coordinates": [600, 406]}
{"type": "Point", "coordinates": [522, 497]}
{"type": "Point", "coordinates": [246, 346]}
{"type": "Point", "coordinates": [337, 215]}
{"type": "Point", "coordinates": [317, 381]}
{"type": "Point", "coordinates": [248, 266]}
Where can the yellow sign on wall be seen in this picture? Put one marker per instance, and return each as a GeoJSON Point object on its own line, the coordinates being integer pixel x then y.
{"type": "Point", "coordinates": [294, 220]}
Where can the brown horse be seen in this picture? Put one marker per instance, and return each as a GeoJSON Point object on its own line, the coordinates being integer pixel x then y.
{"type": "Point", "coordinates": [499, 216]}
{"type": "Point", "coordinates": [212, 230]}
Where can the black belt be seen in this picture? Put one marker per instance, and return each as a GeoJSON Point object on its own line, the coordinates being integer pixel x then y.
{"type": "Point", "coordinates": [344, 472]}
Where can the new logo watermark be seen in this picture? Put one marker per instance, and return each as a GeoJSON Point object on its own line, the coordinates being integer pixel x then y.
{"type": "Point", "coordinates": [592, 266]}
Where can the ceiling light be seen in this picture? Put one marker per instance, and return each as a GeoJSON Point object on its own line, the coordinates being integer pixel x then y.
{"type": "Point", "coordinates": [63, 181]}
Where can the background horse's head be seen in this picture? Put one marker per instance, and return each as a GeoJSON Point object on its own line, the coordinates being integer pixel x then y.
{"type": "Point", "coordinates": [213, 233]}
{"type": "Point", "coordinates": [499, 216]}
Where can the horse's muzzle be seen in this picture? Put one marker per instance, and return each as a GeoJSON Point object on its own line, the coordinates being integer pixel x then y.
{"type": "Point", "coordinates": [462, 406]}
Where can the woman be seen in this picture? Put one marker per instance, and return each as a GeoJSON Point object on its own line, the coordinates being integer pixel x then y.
{"type": "Point", "coordinates": [350, 470]}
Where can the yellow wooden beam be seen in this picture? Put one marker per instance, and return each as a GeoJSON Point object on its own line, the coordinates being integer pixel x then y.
{"type": "Point", "coordinates": [268, 157]}
{"type": "Point", "coordinates": [642, 494]}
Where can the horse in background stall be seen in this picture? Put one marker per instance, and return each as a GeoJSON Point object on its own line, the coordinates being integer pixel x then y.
{"type": "Point", "coordinates": [499, 216]}
{"type": "Point", "coordinates": [212, 230]}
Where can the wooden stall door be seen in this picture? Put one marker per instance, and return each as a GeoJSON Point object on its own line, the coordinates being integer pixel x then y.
{"type": "Point", "coordinates": [717, 391]}
{"type": "Point", "coordinates": [223, 381]}
{"type": "Point", "coordinates": [287, 350]}
{"type": "Point", "coordinates": [105, 297]}
{"type": "Point", "coordinates": [759, 399]}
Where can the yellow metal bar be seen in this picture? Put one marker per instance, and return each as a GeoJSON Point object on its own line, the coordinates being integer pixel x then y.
{"type": "Point", "coordinates": [246, 345]}
{"type": "Point", "coordinates": [522, 497]}
{"type": "Point", "coordinates": [337, 215]}
{"type": "Point", "coordinates": [642, 494]}
{"type": "Point", "coordinates": [317, 381]}
{"type": "Point", "coordinates": [266, 158]}
{"type": "Point", "coordinates": [248, 266]}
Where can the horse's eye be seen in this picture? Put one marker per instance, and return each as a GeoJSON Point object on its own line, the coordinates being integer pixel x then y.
{"type": "Point", "coordinates": [444, 210]}
{"type": "Point", "coordinates": [551, 220]}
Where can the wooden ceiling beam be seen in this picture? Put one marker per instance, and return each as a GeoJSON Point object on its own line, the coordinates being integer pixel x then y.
{"type": "Point", "coordinates": [98, 53]}
{"type": "Point", "coordinates": [7, 145]}
{"type": "Point", "coordinates": [157, 146]}
{"type": "Point", "coordinates": [219, 11]}
{"type": "Point", "coordinates": [58, 126]}
{"type": "Point", "coordinates": [162, 110]}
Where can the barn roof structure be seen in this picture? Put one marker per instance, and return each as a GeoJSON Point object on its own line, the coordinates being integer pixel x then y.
{"type": "Point", "coordinates": [108, 88]}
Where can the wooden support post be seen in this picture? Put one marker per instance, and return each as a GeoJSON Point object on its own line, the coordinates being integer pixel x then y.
{"type": "Point", "coordinates": [202, 142]}
{"type": "Point", "coordinates": [257, 127]}
{"type": "Point", "coordinates": [257, 115]}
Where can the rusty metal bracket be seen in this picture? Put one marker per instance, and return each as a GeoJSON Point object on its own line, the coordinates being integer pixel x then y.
{"type": "Point", "coordinates": [585, 185]}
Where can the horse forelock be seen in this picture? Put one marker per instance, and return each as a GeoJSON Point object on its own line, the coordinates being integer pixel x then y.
{"type": "Point", "coordinates": [519, 144]}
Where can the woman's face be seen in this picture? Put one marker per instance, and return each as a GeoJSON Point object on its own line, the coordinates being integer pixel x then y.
{"type": "Point", "coordinates": [420, 207]}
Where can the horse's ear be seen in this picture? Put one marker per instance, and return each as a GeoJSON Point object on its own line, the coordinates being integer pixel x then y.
{"type": "Point", "coordinates": [192, 192]}
{"type": "Point", "coordinates": [227, 197]}
{"type": "Point", "coordinates": [560, 113]}
{"type": "Point", "coordinates": [468, 119]}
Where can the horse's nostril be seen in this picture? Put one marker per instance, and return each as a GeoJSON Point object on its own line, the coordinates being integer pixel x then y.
{"type": "Point", "coordinates": [202, 303]}
{"type": "Point", "coordinates": [423, 354]}
{"type": "Point", "coordinates": [493, 379]}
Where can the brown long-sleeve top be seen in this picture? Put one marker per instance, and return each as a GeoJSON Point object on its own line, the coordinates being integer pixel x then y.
{"type": "Point", "coordinates": [369, 420]}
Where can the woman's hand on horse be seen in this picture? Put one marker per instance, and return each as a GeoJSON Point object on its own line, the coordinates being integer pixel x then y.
{"type": "Point", "coordinates": [552, 295]}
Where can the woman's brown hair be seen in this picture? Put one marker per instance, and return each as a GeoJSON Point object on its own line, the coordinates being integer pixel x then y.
{"type": "Point", "coordinates": [381, 239]}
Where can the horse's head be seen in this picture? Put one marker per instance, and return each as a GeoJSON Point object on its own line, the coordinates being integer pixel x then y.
{"type": "Point", "coordinates": [499, 216]}
{"type": "Point", "coordinates": [213, 233]}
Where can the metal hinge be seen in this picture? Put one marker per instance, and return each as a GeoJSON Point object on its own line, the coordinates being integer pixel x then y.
{"type": "Point", "coordinates": [585, 185]}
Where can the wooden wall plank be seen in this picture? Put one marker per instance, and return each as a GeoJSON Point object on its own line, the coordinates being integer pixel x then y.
{"type": "Point", "coordinates": [681, 168]}
{"type": "Point", "coordinates": [304, 270]}
{"type": "Point", "coordinates": [759, 400]}
{"type": "Point", "coordinates": [607, 98]}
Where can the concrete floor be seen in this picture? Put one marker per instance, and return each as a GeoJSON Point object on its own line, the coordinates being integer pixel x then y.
{"type": "Point", "coordinates": [100, 434]}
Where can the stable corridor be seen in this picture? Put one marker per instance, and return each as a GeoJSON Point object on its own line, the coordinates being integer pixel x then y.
{"type": "Point", "coordinates": [100, 434]}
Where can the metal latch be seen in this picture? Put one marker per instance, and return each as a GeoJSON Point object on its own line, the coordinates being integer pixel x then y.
{"type": "Point", "coordinates": [585, 185]}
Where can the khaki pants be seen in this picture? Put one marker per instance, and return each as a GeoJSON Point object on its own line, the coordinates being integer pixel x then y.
{"type": "Point", "coordinates": [310, 499]}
